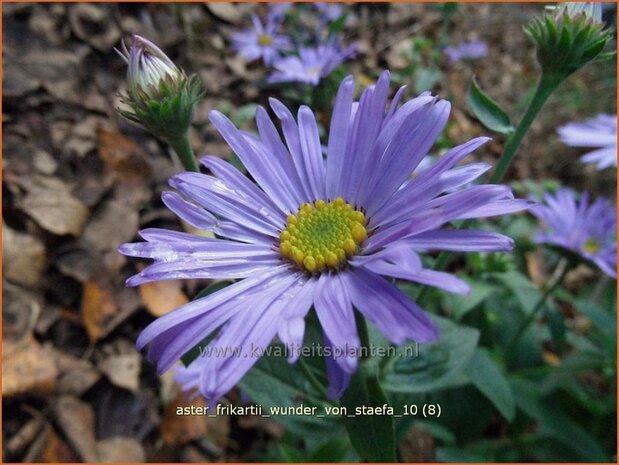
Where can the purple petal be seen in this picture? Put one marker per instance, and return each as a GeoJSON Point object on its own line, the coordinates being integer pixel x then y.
{"type": "Point", "coordinates": [338, 378]}
{"type": "Point", "coordinates": [338, 135]}
{"type": "Point", "coordinates": [460, 240]}
{"type": "Point", "coordinates": [395, 316]}
{"type": "Point", "coordinates": [334, 310]}
{"type": "Point", "coordinates": [259, 163]}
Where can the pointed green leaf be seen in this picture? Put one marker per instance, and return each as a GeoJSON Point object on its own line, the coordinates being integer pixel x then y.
{"type": "Point", "coordinates": [486, 376]}
{"type": "Point", "coordinates": [372, 436]}
{"type": "Point", "coordinates": [488, 111]}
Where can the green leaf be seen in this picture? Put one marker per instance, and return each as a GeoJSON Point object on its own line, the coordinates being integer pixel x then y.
{"type": "Point", "coordinates": [426, 79]}
{"type": "Point", "coordinates": [273, 382]}
{"type": "Point", "coordinates": [460, 305]}
{"type": "Point", "coordinates": [555, 423]}
{"type": "Point", "coordinates": [486, 376]}
{"type": "Point", "coordinates": [372, 436]}
{"type": "Point", "coordinates": [434, 366]}
{"type": "Point", "coordinates": [334, 450]}
{"type": "Point", "coordinates": [525, 292]}
{"type": "Point", "coordinates": [488, 111]}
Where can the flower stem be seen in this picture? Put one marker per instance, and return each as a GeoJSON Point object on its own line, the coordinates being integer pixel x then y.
{"type": "Point", "coordinates": [545, 87]}
{"type": "Point", "coordinates": [559, 274]}
{"type": "Point", "coordinates": [183, 149]}
{"type": "Point", "coordinates": [312, 379]}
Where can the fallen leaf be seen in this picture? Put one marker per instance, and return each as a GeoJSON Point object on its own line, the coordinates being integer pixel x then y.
{"type": "Point", "coordinates": [21, 308]}
{"type": "Point", "coordinates": [56, 450]}
{"type": "Point", "coordinates": [120, 449]}
{"type": "Point", "coordinates": [98, 309]}
{"type": "Point", "coordinates": [95, 25]}
{"type": "Point", "coordinates": [23, 257]}
{"type": "Point", "coordinates": [181, 429]}
{"type": "Point", "coordinates": [161, 297]}
{"type": "Point", "coordinates": [114, 224]}
{"type": "Point", "coordinates": [417, 446]}
{"type": "Point", "coordinates": [25, 435]}
{"type": "Point", "coordinates": [76, 375]}
{"type": "Point", "coordinates": [50, 203]}
{"type": "Point", "coordinates": [123, 156]}
{"type": "Point", "coordinates": [77, 420]}
{"type": "Point", "coordinates": [123, 370]}
{"type": "Point", "coordinates": [227, 11]}
{"type": "Point", "coordinates": [26, 368]}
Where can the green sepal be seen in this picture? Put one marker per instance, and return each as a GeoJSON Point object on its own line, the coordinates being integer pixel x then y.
{"type": "Point", "coordinates": [567, 43]}
{"type": "Point", "coordinates": [168, 112]}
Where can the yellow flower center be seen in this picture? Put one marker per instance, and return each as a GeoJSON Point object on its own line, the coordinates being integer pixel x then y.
{"type": "Point", "coordinates": [323, 235]}
{"type": "Point", "coordinates": [265, 39]}
{"type": "Point", "coordinates": [591, 246]}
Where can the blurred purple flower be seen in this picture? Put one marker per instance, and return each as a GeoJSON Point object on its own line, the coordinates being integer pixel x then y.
{"type": "Point", "coordinates": [312, 64]}
{"type": "Point", "coordinates": [590, 230]}
{"type": "Point", "coordinates": [315, 232]}
{"type": "Point", "coordinates": [277, 11]}
{"type": "Point", "coordinates": [466, 51]}
{"type": "Point", "coordinates": [600, 131]}
{"type": "Point", "coordinates": [261, 41]}
{"type": "Point", "coordinates": [329, 12]}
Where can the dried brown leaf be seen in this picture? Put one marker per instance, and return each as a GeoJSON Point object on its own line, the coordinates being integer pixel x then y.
{"type": "Point", "coordinates": [162, 296]}
{"type": "Point", "coordinates": [52, 205]}
{"type": "Point", "coordinates": [123, 370]}
{"type": "Point", "coordinates": [77, 420]}
{"type": "Point", "coordinates": [181, 429]}
{"type": "Point", "coordinates": [98, 309]}
{"type": "Point", "coordinates": [26, 368]}
{"type": "Point", "coordinates": [23, 257]}
{"type": "Point", "coordinates": [121, 449]}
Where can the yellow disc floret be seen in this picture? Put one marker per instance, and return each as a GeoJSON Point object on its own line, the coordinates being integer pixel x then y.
{"type": "Point", "coordinates": [323, 235]}
{"type": "Point", "coordinates": [591, 246]}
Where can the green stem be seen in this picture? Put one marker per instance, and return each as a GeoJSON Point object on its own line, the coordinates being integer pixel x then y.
{"type": "Point", "coordinates": [183, 149]}
{"type": "Point", "coordinates": [364, 336]}
{"type": "Point", "coordinates": [562, 270]}
{"type": "Point", "coordinates": [312, 379]}
{"type": "Point", "coordinates": [545, 87]}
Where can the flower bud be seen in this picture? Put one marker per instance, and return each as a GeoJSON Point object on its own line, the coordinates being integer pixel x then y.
{"type": "Point", "coordinates": [162, 98]}
{"type": "Point", "coordinates": [568, 38]}
{"type": "Point", "coordinates": [148, 68]}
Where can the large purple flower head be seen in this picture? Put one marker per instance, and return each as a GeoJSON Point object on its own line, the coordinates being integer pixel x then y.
{"type": "Point", "coordinates": [312, 64]}
{"type": "Point", "coordinates": [600, 131]}
{"type": "Point", "coordinates": [328, 233]}
{"type": "Point", "coordinates": [262, 41]}
{"type": "Point", "coordinates": [466, 51]}
{"type": "Point", "coordinates": [590, 230]}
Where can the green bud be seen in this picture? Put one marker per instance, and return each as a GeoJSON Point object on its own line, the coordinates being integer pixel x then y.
{"type": "Point", "coordinates": [568, 37]}
{"type": "Point", "coordinates": [161, 97]}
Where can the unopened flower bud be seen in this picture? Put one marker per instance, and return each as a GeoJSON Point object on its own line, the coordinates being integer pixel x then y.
{"type": "Point", "coordinates": [162, 98]}
{"type": "Point", "coordinates": [148, 68]}
{"type": "Point", "coordinates": [569, 37]}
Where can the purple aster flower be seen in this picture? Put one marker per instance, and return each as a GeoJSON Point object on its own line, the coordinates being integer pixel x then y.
{"type": "Point", "coordinates": [329, 12]}
{"type": "Point", "coordinates": [261, 41]}
{"type": "Point", "coordinates": [601, 132]}
{"type": "Point", "coordinates": [312, 64]}
{"type": "Point", "coordinates": [277, 10]}
{"type": "Point", "coordinates": [314, 232]}
{"type": "Point", "coordinates": [466, 51]}
{"type": "Point", "coordinates": [590, 230]}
